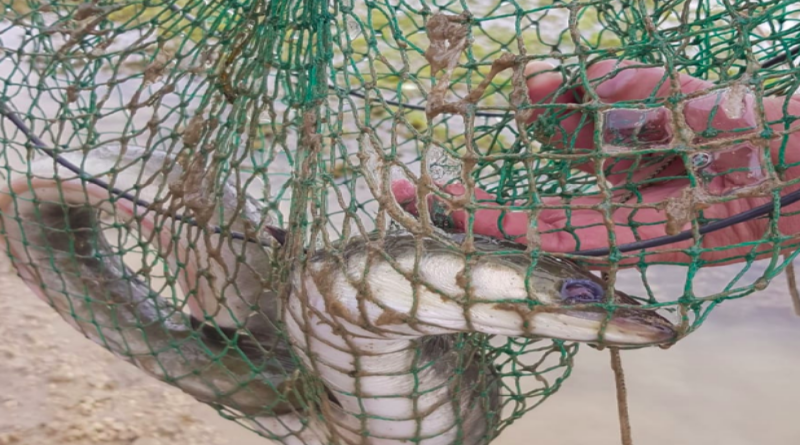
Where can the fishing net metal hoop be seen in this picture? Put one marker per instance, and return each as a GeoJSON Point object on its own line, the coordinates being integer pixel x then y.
{"type": "Point", "coordinates": [223, 119]}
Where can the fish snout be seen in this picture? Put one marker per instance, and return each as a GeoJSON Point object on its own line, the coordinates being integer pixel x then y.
{"type": "Point", "coordinates": [638, 327]}
{"type": "Point", "coordinates": [584, 303]}
{"type": "Point", "coordinates": [620, 326]}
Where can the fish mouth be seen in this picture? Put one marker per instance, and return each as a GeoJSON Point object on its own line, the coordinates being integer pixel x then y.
{"type": "Point", "coordinates": [594, 325]}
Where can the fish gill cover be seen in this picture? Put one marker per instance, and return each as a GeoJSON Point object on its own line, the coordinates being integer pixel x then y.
{"type": "Point", "coordinates": [366, 221]}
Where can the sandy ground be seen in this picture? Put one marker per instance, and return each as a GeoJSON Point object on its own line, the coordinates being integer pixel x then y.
{"type": "Point", "coordinates": [60, 388]}
{"type": "Point", "coordinates": [734, 382]}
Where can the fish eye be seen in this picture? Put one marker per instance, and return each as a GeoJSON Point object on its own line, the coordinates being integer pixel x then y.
{"type": "Point", "coordinates": [576, 291]}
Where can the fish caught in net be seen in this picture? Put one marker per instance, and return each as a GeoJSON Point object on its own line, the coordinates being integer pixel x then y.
{"type": "Point", "coordinates": [382, 222]}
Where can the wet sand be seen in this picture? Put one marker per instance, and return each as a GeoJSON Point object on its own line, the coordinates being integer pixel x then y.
{"type": "Point", "coordinates": [733, 382]}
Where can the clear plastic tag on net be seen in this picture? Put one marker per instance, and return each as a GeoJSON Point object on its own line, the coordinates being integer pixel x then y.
{"type": "Point", "coordinates": [353, 27]}
{"type": "Point", "coordinates": [728, 171]}
{"type": "Point", "coordinates": [444, 170]}
{"type": "Point", "coordinates": [632, 129]}
{"type": "Point", "coordinates": [722, 114]}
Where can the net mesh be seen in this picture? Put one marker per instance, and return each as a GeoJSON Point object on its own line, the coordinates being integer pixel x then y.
{"type": "Point", "coordinates": [257, 253]}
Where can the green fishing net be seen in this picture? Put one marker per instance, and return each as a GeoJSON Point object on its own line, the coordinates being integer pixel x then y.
{"type": "Point", "coordinates": [315, 109]}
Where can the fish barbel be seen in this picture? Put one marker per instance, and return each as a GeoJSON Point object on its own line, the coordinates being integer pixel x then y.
{"type": "Point", "coordinates": [51, 224]}
{"type": "Point", "coordinates": [375, 318]}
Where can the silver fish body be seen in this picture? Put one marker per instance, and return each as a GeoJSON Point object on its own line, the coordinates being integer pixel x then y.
{"type": "Point", "coordinates": [375, 320]}
{"type": "Point", "coordinates": [225, 351]}
{"type": "Point", "coordinates": [93, 289]}
{"type": "Point", "coordinates": [225, 286]}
